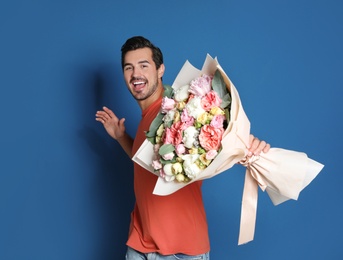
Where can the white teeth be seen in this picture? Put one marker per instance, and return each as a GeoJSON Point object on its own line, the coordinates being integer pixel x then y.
{"type": "Point", "coordinates": [139, 82]}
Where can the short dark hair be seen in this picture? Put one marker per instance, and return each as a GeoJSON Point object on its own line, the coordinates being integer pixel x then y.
{"type": "Point", "coordinates": [139, 42]}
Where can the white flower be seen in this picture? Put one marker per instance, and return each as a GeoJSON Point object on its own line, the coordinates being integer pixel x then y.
{"type": "Point", "coordinates": [177, 168]}
{"type": "Point", "coordinates": [189, 136]}
{"type": "Point", "coordinates": [167, 169]}
{"type": "Point", "coordinates": [181, 93]}
{"type": "Point", "coordinates": [180, 177]}
{"type": "Point", "coordinates": [194, 108]}
{"type": "Point", "coordinates": [189, 166]}
{"type": "Point", "coordinates": [169, 117]}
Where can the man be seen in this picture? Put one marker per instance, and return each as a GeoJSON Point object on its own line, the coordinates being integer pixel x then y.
{"type": "Point", "coordinates": [162, 227]}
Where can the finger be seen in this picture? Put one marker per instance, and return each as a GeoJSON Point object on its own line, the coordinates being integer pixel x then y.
{"type": "Point", "coordinates": [102, 115]}
{"type": "Point", "coordinates": [109, 112]}
{"type": "Point", "coordinates": [254, 144]}
{"type": "Point", "coordinates": [100, 120]}
{"type": "Point", "coordinates": [266, 148]}
{"type": "Point", "coordinates": [251, 138]}
{"type": "Point", "coordinates": [121, 124]}
{"type": "Point", "coordinates": [260, 147]}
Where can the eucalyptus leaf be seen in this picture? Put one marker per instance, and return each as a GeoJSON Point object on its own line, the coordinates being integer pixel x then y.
{"type": "Point", "coordinates": [155, 124]}
{"type": "Point", "coordinates": [165, 149]}
{"type": "Point", "coordinates": [226, 101]}
{"type": "Point", "coordinates": [219, 85]}
{"type": "Point", "coordinates": [168, 91]}
{"type": "Point", "coordinates": [151, 140]}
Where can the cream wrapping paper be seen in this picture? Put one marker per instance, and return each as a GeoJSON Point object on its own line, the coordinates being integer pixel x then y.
{"type": "Point", "coordinates": [282, 173]}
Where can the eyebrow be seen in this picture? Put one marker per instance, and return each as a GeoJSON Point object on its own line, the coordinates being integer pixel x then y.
{"type": "Point", "coordinates": [140, 62]}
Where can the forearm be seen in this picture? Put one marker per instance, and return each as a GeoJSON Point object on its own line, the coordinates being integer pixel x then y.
{"type": "Point", "coordinates": [126, 142]}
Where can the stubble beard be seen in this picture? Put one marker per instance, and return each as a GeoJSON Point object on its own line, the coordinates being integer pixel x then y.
{"type": "Point", "coordinates": [151, 91]}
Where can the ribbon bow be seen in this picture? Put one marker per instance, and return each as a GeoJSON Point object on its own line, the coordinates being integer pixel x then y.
{"type": "Point", "coordinates": [282, 173]}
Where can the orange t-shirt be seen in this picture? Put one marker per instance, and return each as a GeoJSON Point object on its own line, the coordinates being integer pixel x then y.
{"type": "Point", "coordinates": [165, 224]}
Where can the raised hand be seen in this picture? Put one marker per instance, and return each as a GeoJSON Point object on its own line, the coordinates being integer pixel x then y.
{"type": "Point", "coordinates": [114, 127]}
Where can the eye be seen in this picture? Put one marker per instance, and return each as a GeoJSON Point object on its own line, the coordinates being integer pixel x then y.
{"type": "Point", "coordinates": [127, 68]}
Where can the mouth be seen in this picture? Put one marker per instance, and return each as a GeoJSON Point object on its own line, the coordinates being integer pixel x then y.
{"type": "Point", "coordinates": [138, 85]}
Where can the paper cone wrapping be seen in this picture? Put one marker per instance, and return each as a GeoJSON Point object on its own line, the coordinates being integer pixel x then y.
{"type": "Point", "coordinates": [282, 173]}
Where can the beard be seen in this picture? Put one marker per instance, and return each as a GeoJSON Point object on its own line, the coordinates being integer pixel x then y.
{"type": "Point", "coordinates": [151, 89]}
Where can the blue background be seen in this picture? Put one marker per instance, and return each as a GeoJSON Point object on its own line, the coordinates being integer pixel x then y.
{"type": "Point", "coordinates": [66, 187]}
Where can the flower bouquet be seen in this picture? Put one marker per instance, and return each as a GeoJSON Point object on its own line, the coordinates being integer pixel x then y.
{"type": "Point", "coordinates": [187, 132]}
{"type": "Point", "coordinates": [202, 130]}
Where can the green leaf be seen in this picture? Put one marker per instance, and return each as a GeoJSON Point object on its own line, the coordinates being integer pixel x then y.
{"type": "Point", "coordinates": [155, 124]}
{"type": "Point", "coordinates": [151, 140]}
{"type": "Point", "coordinates": [226, 101]}
{"type": "Point", "coordinates": [165, 149]}
{"type": "Point", "coordinates": [219, 86]}
{"type": "Point", "coordinates": [168, 91]}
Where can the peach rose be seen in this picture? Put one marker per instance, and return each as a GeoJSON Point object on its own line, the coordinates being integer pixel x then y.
{"type": "Point", "coordinates": [210, 137]}
{"type": "Point", "coordinates": [210, 100]}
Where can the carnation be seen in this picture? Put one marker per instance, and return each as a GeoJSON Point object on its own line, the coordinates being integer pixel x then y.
{"type": "Point", "coordinates": [182, 93]}
{"type": "Point", "coordinates": [167, 104]}
{"type": "Point", "coordinates": [200, 86]}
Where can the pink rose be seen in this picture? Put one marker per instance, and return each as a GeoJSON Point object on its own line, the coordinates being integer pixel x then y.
{"type": "Point", "coordinates": [217, 121]}
{"type": "Point", "coordinates": [210, 100]}
{"type": "Point", "coordinates": [211, 154]}
{"type": "Point", "coordinates": [200, 86]}
{"type": "Point", "coordinates": [180, 149]}
{"type": "Point", "coordinates": [167, 104]}
{"type": "Point", "coordinates": [210, 137]}
{"type": "Point", "coordinates": [173, 135]}
{"type": "Point", "coordinates": [168, 156]}
{"type": "Point", "coordinates": [156, 164]}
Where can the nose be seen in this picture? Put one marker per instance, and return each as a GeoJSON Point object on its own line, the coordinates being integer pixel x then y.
{"type": "Point", "coordinates": [136, 72]}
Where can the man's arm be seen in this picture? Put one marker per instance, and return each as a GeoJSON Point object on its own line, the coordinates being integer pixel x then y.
{"type": "Point", "coordinates": [115, 128]}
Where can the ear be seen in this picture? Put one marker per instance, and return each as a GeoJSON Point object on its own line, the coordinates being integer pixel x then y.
{"type": "Point", "coordinates": [160, 71]}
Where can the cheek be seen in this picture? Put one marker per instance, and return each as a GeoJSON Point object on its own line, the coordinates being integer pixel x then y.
{"type": "Point", "coordinates": [127, 79]}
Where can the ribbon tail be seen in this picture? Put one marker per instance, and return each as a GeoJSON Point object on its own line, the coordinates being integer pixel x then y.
{"type": "Point", "coordinates": [248, 209]}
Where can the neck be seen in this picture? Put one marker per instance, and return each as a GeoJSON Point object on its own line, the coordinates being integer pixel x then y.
{"type": "Point", "coordinates": [144, 104]}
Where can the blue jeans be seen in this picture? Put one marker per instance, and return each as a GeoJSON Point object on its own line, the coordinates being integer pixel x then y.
{"type": "Point", "coordinates": [132, 254]}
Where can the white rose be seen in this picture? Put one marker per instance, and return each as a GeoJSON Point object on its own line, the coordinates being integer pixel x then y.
{"type": "Point", "coordinates": [189, 136]}
{"type": "Point", "coordinates": [181, 93]}
{"type": "Point", "coordinates": [194, 107]}
{"type": "Point", "coordinates": [189, 166]}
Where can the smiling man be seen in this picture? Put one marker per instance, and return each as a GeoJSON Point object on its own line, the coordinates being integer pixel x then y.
{"type": "Point", "coordinates": [162, 227]}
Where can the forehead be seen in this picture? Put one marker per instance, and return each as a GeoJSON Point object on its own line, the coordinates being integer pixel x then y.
{"type": "Point", "coordinates": [135, 56]}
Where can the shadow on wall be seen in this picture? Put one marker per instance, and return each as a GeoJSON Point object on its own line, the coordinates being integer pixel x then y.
{"type": "Point", "coordinates": [113, 185]}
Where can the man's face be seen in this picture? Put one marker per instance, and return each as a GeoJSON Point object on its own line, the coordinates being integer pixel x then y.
{"type": "Point", "coordinates": [140, 73]}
